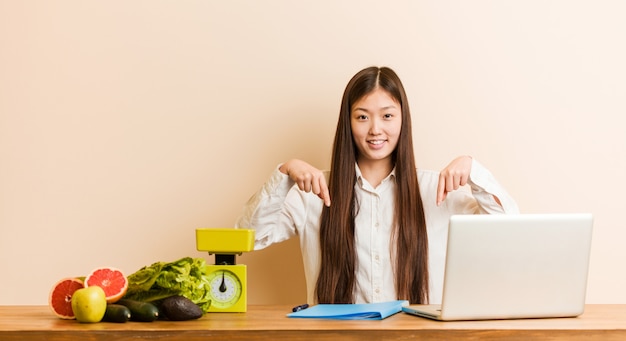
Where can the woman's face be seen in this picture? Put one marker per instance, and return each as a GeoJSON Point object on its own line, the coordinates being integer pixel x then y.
{"type": "Point", "coordinates": [376, 120]}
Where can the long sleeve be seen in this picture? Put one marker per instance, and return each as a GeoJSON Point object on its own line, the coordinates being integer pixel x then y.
{"type": "Point", "coordinates": [265, 212]}
{"type": "Point", "coordinates": [485, 187]}
{"type": "Point", "coordinates": [279, 211]}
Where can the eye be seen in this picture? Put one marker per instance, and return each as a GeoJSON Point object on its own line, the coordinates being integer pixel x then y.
{"type": "Point", "coordinates": [388, 116]}
{"type": "Point", "coordinates": [361, 117]}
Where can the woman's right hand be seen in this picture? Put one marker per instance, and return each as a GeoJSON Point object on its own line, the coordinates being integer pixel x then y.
{"type": "Point", "coordinates": [308, 178]}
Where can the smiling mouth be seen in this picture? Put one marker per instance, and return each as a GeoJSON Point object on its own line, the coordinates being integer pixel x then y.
{"type": "Point", "coordinates": [376, 142]}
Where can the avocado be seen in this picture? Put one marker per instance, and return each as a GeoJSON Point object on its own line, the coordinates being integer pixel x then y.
{"type": "Point", "coordinates": [180, 308]}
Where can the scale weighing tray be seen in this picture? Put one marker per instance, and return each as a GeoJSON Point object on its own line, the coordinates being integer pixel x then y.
{"type": "Point", "coordinates": [224, 240]}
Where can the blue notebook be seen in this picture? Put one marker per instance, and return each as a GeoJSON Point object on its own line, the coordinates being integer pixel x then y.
{"type": "Point", "coordinates": [362, 311]}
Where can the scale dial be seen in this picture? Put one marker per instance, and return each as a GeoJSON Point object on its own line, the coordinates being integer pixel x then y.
{"type": "Point", "coordinates": [225, 288]}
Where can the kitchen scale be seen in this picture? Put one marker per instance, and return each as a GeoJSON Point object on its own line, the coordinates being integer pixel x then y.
{"type": "Point", "coordinates": [228, 287]}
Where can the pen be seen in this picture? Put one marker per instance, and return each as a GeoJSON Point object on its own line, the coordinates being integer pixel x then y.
{"type": "Point", "coordinates": [300, 307]}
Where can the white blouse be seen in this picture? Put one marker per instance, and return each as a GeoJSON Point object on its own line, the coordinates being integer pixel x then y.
{"type": "Point", "coordinates": [279, 211]}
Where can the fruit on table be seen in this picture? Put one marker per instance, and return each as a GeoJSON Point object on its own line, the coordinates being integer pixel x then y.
{"type": "Point", "coordinates": [180, 308]}
{"type": "Point", "coordinates": [140, 311]}
{"type": "Point", "coordinates": [89, 304]}
{"type": "Point", "coordinates": [111, 280]}
{"type": "Point", "coordinates": [60, 298]}
{"type": "Point", "coordinates": [107, 294]}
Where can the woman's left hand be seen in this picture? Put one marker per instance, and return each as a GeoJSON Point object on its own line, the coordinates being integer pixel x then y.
{"type": "Point", "coordinates": [453, 176]}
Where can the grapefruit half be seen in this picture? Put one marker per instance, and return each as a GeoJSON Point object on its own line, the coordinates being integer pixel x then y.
{"type": "Point", "coordinates": [60, 299]}
{"type": "Point", "coordinates": [111, 280]}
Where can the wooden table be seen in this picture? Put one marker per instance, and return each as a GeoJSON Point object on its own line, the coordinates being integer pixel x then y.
{"type": "Point", "coordinates": [599, 322]}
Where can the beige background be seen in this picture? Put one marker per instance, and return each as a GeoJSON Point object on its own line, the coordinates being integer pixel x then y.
{"type": "Point", "coordinates": [125, 125]}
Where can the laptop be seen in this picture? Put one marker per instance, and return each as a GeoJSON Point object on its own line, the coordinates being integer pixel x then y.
{"type": "Point", "coordinates": [513, 266]}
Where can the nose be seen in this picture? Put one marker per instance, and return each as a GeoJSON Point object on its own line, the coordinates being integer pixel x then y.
{"type": "Point", "coordinates": [375, 127]}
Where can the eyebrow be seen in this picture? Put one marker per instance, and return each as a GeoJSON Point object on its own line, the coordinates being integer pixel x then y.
{"type": "Point", "coordinates": [383, 108]}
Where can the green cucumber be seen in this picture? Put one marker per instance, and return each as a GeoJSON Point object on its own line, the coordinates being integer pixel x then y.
{"type": "Point", "coordinates": [116, 313]}
{"type": "Point", "coordinates": [140, 311]}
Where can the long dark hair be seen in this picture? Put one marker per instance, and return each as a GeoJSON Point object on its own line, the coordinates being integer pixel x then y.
{"type": "Point", "coordinates": [336, 281]}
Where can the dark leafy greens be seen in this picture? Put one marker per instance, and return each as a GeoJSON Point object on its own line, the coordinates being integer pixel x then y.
{"type": "Point", "coordinates": [185, 277]}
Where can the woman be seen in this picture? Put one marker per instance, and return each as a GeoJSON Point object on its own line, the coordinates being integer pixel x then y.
{"type": "Point", "coordinates": [376, 231]}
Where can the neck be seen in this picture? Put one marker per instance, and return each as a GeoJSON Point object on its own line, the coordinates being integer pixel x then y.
{"type": "Point", "coordinates": [374, 171]}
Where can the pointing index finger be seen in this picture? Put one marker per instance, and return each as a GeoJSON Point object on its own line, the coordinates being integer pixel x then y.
{"type": "Point", "coordinates": [324, 193]}
{"type": "Point", "coordinates": [441, 189]}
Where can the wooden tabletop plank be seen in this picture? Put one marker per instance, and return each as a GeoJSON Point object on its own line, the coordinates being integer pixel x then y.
{"type": "Point", "coordinates": [599, 322]}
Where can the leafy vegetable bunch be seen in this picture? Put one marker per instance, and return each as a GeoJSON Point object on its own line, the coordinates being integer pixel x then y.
{"type": "Point", "coordinates": [185, 277]}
